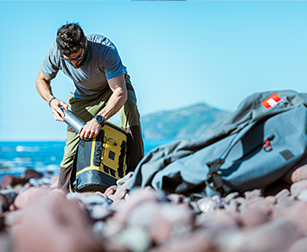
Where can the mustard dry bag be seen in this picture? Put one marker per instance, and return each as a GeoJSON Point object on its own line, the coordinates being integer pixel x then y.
{"type": "Point", "coordinates": [99, 162]}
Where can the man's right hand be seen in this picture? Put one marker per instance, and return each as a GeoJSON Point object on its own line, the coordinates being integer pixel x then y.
{"type": "Point", "coordinates": [55, 105]}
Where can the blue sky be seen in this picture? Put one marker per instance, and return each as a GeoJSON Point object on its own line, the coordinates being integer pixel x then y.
{"type": "Point", "coordinates": [177, 53]}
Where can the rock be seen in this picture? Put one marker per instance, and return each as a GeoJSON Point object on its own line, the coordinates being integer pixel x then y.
{"type": "Point", "coordinates": [230, 197]}
{"type": "Point", "coordinates": [124, 180]}
{"type": "Point", "coordinates": [19, 188]}
{"type": "Point", "coordinates": [256, 214]}
{"type": "Point", "coordinates": [101, 212]}
{"type": "Point", "coordinates": [240, 200]}
{"type": "Point", "coordinates": [220, 203]}
{"type": "Point", "coordinates": [299, 246]}
{"type": "Point", "coordinates": [53, 223]}
{"type": "Point", "coordinates": [285, 202]}
{"type": "Point", "coordinates": [209, 204]}
{"type": "Point", "coordinates": [271, 199]}
{"type": "Point", "coordinates": [10, 195]}
{"type": "Point", "coordinates": [11, 217]}
{"type": "Point", "coordinates": [200, 240]}
{"type": "Point", "coordinates": [110, 190]}
{"type": "Point", "coordinates": [162, 221]}
{"type": "Point", "coordinates": [94, 199]}
{"type": "Point", "coordinates": [39, 182]}
{"type": "Point", "coordinates": [135, 239]}
{"type": "Point", "coordinates": [302, 196]}
{"type": "Point", "coordinates": [296, 213]}
{"type": "Point", "coordinates": [138, 196]}
{"type": "Point", "coordinates": [4, 203]}
{"type": "Point", "coordinates": [233, 206]}
{"type": "Point", "coordinates": [9, 181]}
{"type": "Point", "coordinates": [297, 173]}
{"type": "Point", "coordinates": [121, 191]}
{"type": "Point", "coordinates": [224, 218]}
{"type": "Point", "coordinates": [143, 215]}
{"type": "Point", "coordinates": [25, 198]}
{"type": "Point", "coordinates": [249, 195]}
{"type": "Point", "coordinates": [282, 195]}
{"type": "Point", "coordinates": [178, 199]}
{"type": "Point", "coordinates": [31, 173]}
{"type": "Point", "coordinates": [298, 187]}
{"type": "Point", "coordinates": [274, 236]}
{"type": "Point", "coordinates": [171, 222]}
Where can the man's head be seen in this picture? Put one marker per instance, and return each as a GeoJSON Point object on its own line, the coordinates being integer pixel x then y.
{"type": "Point", "coordinates": [70, 39]}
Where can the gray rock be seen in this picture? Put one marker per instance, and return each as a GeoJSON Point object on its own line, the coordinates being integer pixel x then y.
{"type": "Point", "coordinates": [249, 195]}
{"type": "Point", "coordinates": [302, 196]}
{"type": "Point", "coordinates": [123, 180]}
{"type": "Point", "coordinates": [256, 214]}
{"type": "Point", "coordinates": [10, 195]}
{"type": "Point", "coordinates": [283, 194]}
{"type": "Point", "coordinates": [274, 236]}
{"type": "Point", "coordinates": [207, 204]}
{"type": "Point", "coordinates": [298, 187]}
{"type": "Point", "coordinates": [271, 199]}
{"type": "Point", "coordinates": [100, 212]}
{"type": "Point", "coordinates": [135, 239]}
{"type": "Point", "coordinates": [230, 197]}
{"type": "Point", "coordinates": [233, 206]}
{"type": "Point", "coordinates": [53, 223]}
{"type": "Point", "coordinates": [296, 213]}
{"type": "Point", "coordinates": [299, 246]}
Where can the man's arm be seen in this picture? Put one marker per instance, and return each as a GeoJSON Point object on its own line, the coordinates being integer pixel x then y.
{"type": "Point", "coordinates": [116, 101]}
{"type": "Point", "coordinates": [43, 87]}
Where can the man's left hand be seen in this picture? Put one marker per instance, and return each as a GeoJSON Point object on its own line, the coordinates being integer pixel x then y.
{"type": "Point", "coordinates": [90, 130]}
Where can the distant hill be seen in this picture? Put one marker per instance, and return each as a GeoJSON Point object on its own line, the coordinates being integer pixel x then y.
{"type": "Point", "coordinates": [189, 122]}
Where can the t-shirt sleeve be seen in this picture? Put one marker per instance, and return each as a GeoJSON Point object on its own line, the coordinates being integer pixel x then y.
{"type": "Point", "coordinates": [51, 64]}
{"type": "Point", "coordinates": [112, 63]}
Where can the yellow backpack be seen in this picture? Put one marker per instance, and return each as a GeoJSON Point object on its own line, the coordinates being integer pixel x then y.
{"type": "Point", "coordinates": [100, 162]}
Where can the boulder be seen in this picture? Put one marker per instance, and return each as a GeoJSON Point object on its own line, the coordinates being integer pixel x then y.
{"type": "Point", "coordinates": [52, 223]}
{"type": "Point", "coordinates": [8, 181]}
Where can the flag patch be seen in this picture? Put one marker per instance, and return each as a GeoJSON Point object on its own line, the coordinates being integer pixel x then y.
{"type": "Point", "coordinates": [271, 101]}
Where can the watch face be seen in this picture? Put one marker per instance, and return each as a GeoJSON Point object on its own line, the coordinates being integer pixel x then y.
{"type": "Point", "coordinates": [99, 118]}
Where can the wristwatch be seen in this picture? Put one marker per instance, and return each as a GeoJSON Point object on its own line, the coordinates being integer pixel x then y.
{"type": "Point", "coordinates": [99, 119]}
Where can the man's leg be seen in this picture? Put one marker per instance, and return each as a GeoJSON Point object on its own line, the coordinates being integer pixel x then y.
{"type": "Point", "coordinates": [130, 121]}
{"type": "Point", "coordinates": [72, 141]}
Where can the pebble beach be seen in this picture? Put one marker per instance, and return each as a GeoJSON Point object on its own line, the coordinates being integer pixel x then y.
{"type": "Point", "coordinates": [36, 217]}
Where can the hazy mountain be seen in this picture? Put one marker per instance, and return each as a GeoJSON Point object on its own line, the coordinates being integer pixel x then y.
{"type": "Point", "coordinates": [189, 122]}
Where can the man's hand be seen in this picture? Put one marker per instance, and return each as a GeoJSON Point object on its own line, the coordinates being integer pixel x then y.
{"type": "Point", "coordinates": [55, 105]}
{"type": "Point", "coordinates": [90, 130]}
{"type": "Point", "coordinates": [44, 89]}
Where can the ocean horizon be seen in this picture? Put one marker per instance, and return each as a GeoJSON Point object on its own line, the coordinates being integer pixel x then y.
{"type": "Point", "coordinates": [43, 156]}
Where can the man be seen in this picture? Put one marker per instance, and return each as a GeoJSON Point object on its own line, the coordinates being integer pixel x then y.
{"type": "Point", "coordinates": [101, 87]}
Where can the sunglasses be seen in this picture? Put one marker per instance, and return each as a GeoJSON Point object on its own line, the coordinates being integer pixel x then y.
{"type": "Point", "coordinates": [81, 57]}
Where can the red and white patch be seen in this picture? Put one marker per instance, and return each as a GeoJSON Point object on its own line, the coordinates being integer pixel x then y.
{"type": "Point", "coordinates": [271, 101]}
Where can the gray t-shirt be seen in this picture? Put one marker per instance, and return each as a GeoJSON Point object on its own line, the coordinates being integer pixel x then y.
{"type": "Point", "coordinates": [104, 63]}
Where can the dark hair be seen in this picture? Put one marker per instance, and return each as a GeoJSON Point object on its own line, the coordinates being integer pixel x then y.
{"type": "Point", "coordinates": [70, 38]}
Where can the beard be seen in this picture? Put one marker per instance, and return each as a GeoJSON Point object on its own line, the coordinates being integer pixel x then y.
{"type": "Point", "coordinates": [79, 64]}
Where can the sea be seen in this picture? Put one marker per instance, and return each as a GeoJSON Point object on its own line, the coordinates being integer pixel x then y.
{"type": "Point", "coordinates": [16, 157]}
